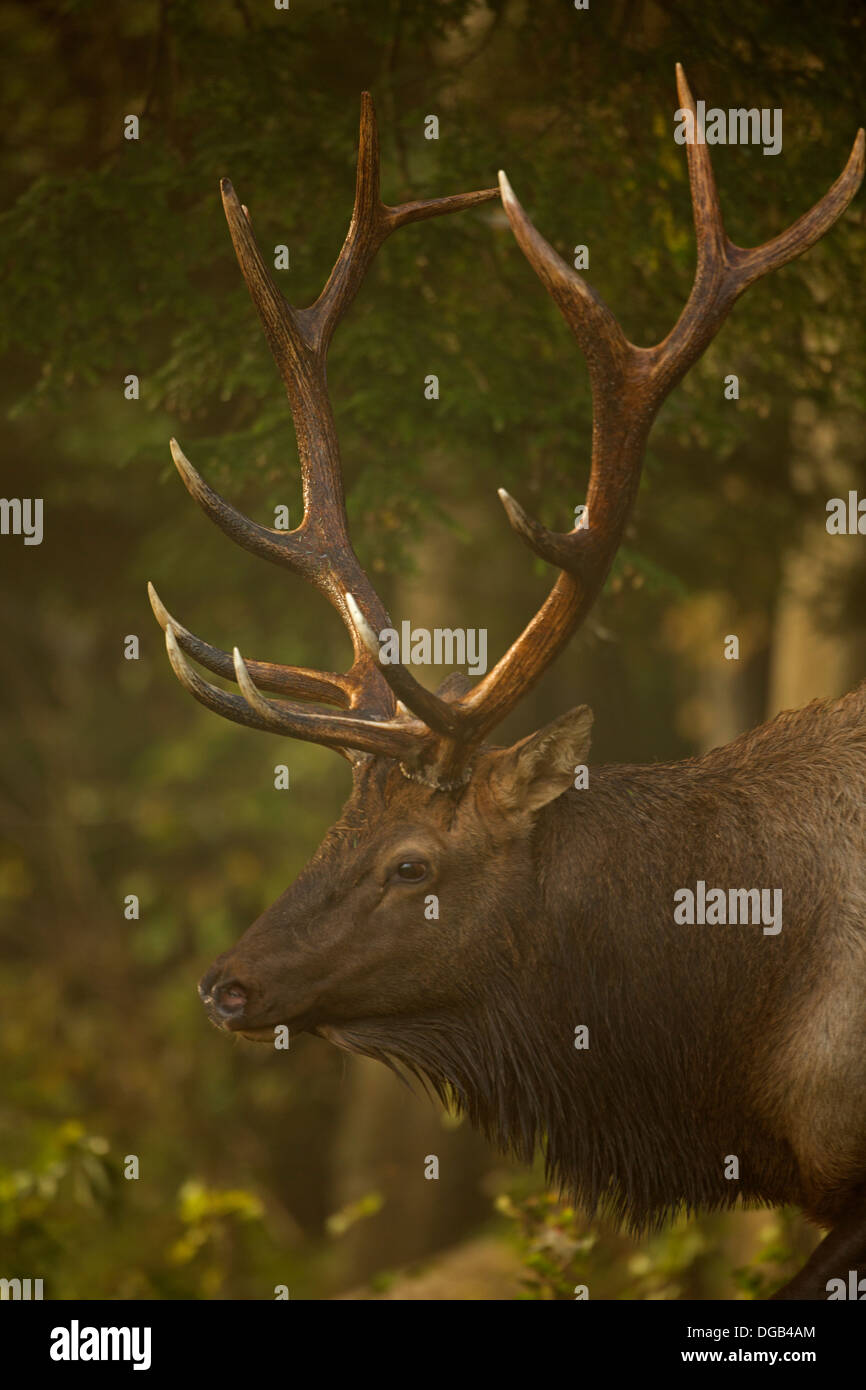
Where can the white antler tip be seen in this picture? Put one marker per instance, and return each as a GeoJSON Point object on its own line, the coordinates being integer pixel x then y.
{"type": "Point", "coordinates": [179, 456]}
{"type": "Point", "coordinates": [242, 674]}
{"type": "Point", "coordinates": [160, 612]}
{"type": "Point", "coordinates": [505, 189]}
{"type": "Point", "coordinates": [362, 626]}
{"type": "Point", "coordinates": [248, 688]}
{"type": "Point", "coordinates": [513, 509]}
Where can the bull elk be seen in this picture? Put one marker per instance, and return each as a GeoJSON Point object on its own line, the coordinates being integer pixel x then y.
{"type": "Point", "coordinates": [556, 904]}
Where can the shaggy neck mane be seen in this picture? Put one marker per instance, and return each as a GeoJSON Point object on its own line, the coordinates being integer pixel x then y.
{"type": "Point", "coordinates": [507, 1057]}
{"type": "Point", "coordinates": [509, 1063]}
{"type": "Point", "coordinates": [638, 1122]}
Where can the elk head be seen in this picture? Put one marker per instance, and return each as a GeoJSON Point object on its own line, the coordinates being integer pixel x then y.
{"type": "Point", "coordinates": [435, 813]}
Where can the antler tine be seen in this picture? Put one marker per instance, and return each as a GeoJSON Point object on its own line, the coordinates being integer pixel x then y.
{"type": "Point", "coordinates": [744, 265]}
{"type": "Point", "coordinates": [628, 387]}
{"type": "Point", "coordinates": [725, 270]}
{"type": "Point", "coordinates": [397, 739]}
{"type": "Point", "coordinates": [437, 714]}
{"type": "Point", "coordinates": [324, 565]}
{"type": "Point", "coordinates": [602, 341]}
{"type": "Point", "coordinates": [372, 222]}
{"type": "Point", "coordinates": [615, 365]}
{"type": "Point", "coordinates": [710, 236]}
{"type": "Point", "coordinates": [340, 731]}
{"type": "Point", "coordinates": [802, 234]}
{"type": "Point", "coordinates": [326, 686]}
{"type": "Point", "coordinates": [286, 548]}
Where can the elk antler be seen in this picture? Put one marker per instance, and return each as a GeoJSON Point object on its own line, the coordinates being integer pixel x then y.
{"type": "Point", "coordinates": [319, 550]}
{"type": "Point", "coordinates": [628, 385]}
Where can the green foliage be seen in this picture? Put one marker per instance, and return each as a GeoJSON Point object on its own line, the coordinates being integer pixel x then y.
{"type": "Point", "coordinates": [339, 1222]}
{"type": "Point", "coordinates": [72, 1203]}
{"type": "Point", "coordinates": [562, 1253]}
{"type": "Point", "coordinates": [776, 1260]}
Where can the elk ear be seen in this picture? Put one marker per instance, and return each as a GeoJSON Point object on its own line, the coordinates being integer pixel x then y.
{"type": "Point", "coordinates": [541, 767]}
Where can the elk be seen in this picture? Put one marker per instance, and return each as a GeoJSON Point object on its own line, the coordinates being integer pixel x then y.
{"type": "Point", "coordinates": [556, 904]}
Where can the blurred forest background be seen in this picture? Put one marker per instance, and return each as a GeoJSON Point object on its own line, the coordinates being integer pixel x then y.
{"type": "Point", "coordinates": [306, 1168]}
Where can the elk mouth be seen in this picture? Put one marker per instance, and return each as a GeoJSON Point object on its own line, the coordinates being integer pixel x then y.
{"type": "Point", "coordinates": [330, 1032]}
{"type": "Point", "coordinates": [348, 1035]}
{"type": "Point", "coordinates": [264, 1032]}
{"type": "Point", "coordinates": [340, 1035]}
{"type": "Point", "coordinates": [252, 1031]}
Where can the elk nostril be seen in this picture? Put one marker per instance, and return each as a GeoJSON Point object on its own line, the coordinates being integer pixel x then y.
{"type": "Point", "coordinates": [206, 984]}
{"type": "Point", "coordinates": [230, 998]}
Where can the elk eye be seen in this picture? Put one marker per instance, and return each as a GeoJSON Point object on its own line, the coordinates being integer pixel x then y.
{"type": "Point", "coordinates": [410, 871]}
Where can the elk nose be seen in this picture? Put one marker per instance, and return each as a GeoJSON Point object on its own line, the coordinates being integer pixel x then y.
{"type": "Point", "coordinates": [230, 999]}
{"type": "Point", "coordinates": [226, 997]}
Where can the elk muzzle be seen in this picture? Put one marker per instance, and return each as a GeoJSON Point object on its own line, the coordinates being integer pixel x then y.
{"type": "Point", "coordinates": [225, 998]}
